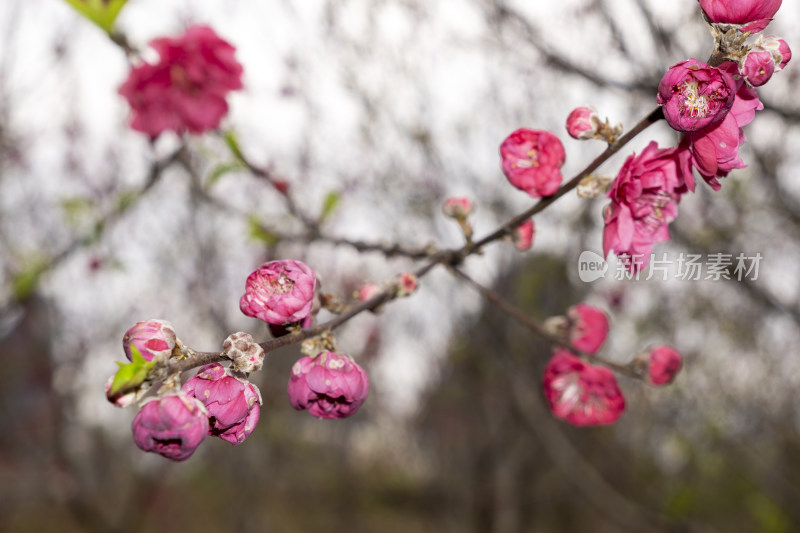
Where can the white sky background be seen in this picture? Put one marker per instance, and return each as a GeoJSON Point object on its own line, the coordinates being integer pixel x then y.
{"type": "Point", "coordinates": [431, 69]}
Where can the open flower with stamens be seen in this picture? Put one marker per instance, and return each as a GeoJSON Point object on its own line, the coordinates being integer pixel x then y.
{"type": "Point", "coordinates": [532, 161]}
{"type": "Point", "coordinates": [581, 393]}
{"type": "Point", "coordinates": [644, 199]}
{"type": "Point", "coordinates": [694, 95]}
{"type": "Point", "coordinates": [279, 292]}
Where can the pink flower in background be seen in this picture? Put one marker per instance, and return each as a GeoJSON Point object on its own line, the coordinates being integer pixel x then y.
{"type": "Point", "coordinates": [715, 150]}
{"type": "Point", "coordinates": [588, 327]}
{"type": "Point", "coordinates": [151, 337]}
{"type": "Point", "coordinates": [328, 386]}
{"type": "Point", "coordinates": [233, 406]}
{"type": "Point", "coordinates": [457, 207]}
{"type": "Point", "coordinates": [367, 291]}
{"type": "Point", "coordinates": [407, 284]}
{"type": "Point", "coordinates": [694, 95]}
{"type": "Point", "coordinates": [580, 393]}
{"type": "Point", "coordinates": [172, 426]}
{"type": "Point", "coordinates": [532, 161]}
{"type": "Point", "coordinates": [279, 292]}
{"type": "Point", "coordinates": [664, 364]}
{"type": "Point", "coordinates": [644, 199]}
{"type": "Point", "coordinates": [757, 67]}
{"type": "Point", "coordinates": [754, 15]}
{"type": "Point", "coordinates": [523, 236]}
{"type": "Point", "coordinates": [186, 89]}
{"type": "Point", "coordinates": [583, 123]}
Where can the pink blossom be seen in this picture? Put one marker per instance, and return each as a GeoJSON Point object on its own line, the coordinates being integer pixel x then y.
{"type": "Point", "coordinates": [715, 150]}
{"type": "Point", "coordinates": [152, 338]}
{"type": "Point", "coordinates": [781, 53]}
{"type": "Point", "coordinates": [664, 364]}
{"type": "Point", "coordinates": [329, 385]}
{"type": "Point", "coordinates": [233, 405]}
{"type": "Point", "coordinates": [186, 89]}
{"type": "Point", "coordinates": [580, 393]}
{"type": "Point", "coordinates": [757, 67]}
{"type": "Point", "coordinates": [753, 15]}
{"type": "Point", "coordinates": [247, 355]}
{"type": "Point", "coordinates": [457, 207]}
{"type": "Point", "coordinates": [406, 284]}
{"type": "Point", "coordinates": [367, 291]}
{"type": "Point", "coordinates": [532, 161]}
{"type": "Point", "coordinates": [583, 123]}
{"type": "Point", "coordinates": [172, 426]}
{"type": "Point", "coordinates": [644, 199]}
{"type": "Point", "coordinates": [523, 236]}
{"type": "Point", "coordinates": [588, 327]}
{"type": "Point", "coordinates": [279, 292]}
{"type": "Point", "coordinates": [694, 95]}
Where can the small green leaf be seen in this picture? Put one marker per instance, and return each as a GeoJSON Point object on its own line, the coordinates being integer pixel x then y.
{"type": "Point", "coordinates": [330, 204]}
{"type": "Point", "coordinates": [260, 233]}
{"type": "Point", "coordinates": [101, 12]}
{"type": "Point", "coordinates": [131, 375]}
{"type": "Point", "coordinates": [220, 170]}
{"type": "Point", "coordinates": [26, 281]}
{"type": "Point", "coordinates": [126, 199]}
{"type": "Point", "coordinates": [233, 144]}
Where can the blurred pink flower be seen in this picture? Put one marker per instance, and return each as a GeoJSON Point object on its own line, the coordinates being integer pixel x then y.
{"type": "Point", "coordinates": [694, 95]}
{"type": "Point", "coordinates": [532, 161]}
{"type": "Point", "coordinates": [367, 291]}
{"type": "Point", "coordinates": [152, 338]}
{"type": "Point", "coordinates": [329, 385]}
{"type": "Point", "coordinates": [715, 150]}
{"type": "Point", "coordinates": [457, 207]}
{"type": "Point", "coordinates": [523, 236]}
{"type": "Point", "coordinates": [644, 199]}
{"type": "Point", "coordinates": [186, 89]}
{"type": "Point", "coordinates": [754, 15]}
{"type": "Point", "coordinates": [664, 364]}
{"type": "Point", "coordinates": [172, 426]}
{"type": "Point", "coordinates": [279, 292]}
{"type": "Point", "coordinates": [583, 123]}
{"type": "Point", "coordinates": [233, 405]}
{"type": "Point", "coordinates": [588, 327]}
{"type": "Point", "coordinates": [580, 393]}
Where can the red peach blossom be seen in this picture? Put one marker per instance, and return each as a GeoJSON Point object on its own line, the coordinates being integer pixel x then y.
{"type": "Point", "coordinates": [753, 15]}
{"type": "Point", "coordinates": [329, 385]}
{"type": "Point", "coordinates": [532, 161]}
{"type": "Point", "coordinates": [694, 95]}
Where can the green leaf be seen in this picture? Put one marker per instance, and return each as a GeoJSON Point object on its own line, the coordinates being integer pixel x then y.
{"type": "Point", "coordinates": [220, 170]}
{"type": "Point", "coordinates": [260, 233]}
{"type": "Point", "coordinates": [131, 375]}
{"type": "Point", "coordinates": [101, 12]}
{"type": "Point", "coordinates": [233, 144]}
{"type": "Point", "coordinates": [330, 204]}
{"type": "Point", "coordinates": [26, 281]}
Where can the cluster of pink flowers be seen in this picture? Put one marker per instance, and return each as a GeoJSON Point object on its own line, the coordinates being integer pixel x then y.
{"type": "Point", "coordinates": [187, 89]}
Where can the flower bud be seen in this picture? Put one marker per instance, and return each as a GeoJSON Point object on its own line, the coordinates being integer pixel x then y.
{"type": "Point", "coordinates": [523, 236]}
{"type": "Point", "coordinates": [151, 337]}
{"type": "Point", "coordinates": [367, 292]}
{"type": "Point", "coordinates": [757, 67]}
{"type": "Point", "coordinates": [329, 385]}
{"type": "Point", "coordinates": [781, 53]}
{"type": "Point", "coordinates": [583, 123]}
{"type": "Point", "coordinates": [752, 15]}
{"type": "Point", "coordinates": [588, 328]}
{"type": "Point", "coordinates": [532, 161]}
{"type": "Point", "coordinates": [694, 95]}
{"type": "Point", "coordinates": [279, 292]}
{"type": "Point", "coordinates": [172, 426]}
{"type": "Point", "coordinates": [580, 393]}
{"type": "Point", "coordinates": [406, 284]}
{"type": "Point", "coordinates": [233, 405]}
{"type": "Point", "coordinates": [246, 354]}
{"type": "Point", "coordinates": [664, 364]}
{"type": "Point", "coordinates": [457, 207]}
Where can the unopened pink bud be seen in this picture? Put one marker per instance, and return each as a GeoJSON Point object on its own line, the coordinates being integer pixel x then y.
{"type": "Point", "coordinates": [279, 292]}
{"type": "Point", "coordinates": [367, 292]}
{"type": "Point", "coordinates": [588, 327]}
{"type": "Point", "coordinates": [246, 354]}
{"type": "Point", "coordinates": [664, 364]}
{"type": "Point", "coordinates": [523, 236]}
{"type": "Point", "coordinates": [119, 401]}
{"type": "Point", "coordinates": [329, 385]}
{"type": "Point", "coordinates": [583, 123]}
{"type": "Point", "coordinates": [580, 393]}
{"type": "Point", "coordinates": [532, 161]}
{"type": "Point", "coordinates": [757, 67]}
{"type": "Point", "coordinates": [457, 207]}
{"type": "Point", "coordinates": [233, 405]}
{"type": "Point", "coordinates": [407, 284]}
{"type": "Point", "coordinates": [694, 95]}
{"type": "Point", "coordinates": [172, 426]}
{"type": "Point", "coordinates": [781, 53]}
{"type": "Point", "coordinates": [151, 337]}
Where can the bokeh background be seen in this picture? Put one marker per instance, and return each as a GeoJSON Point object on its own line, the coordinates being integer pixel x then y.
{"type": "Point", "coordinates": [391, 106]}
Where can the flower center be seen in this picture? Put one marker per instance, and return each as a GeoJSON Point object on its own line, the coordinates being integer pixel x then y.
{"type": "Point", "coordinates": [531, 161]}
{"type": "Point", "coordinates": [693, 103]}
{"type": "Point", "coordinates": [277, 285]}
